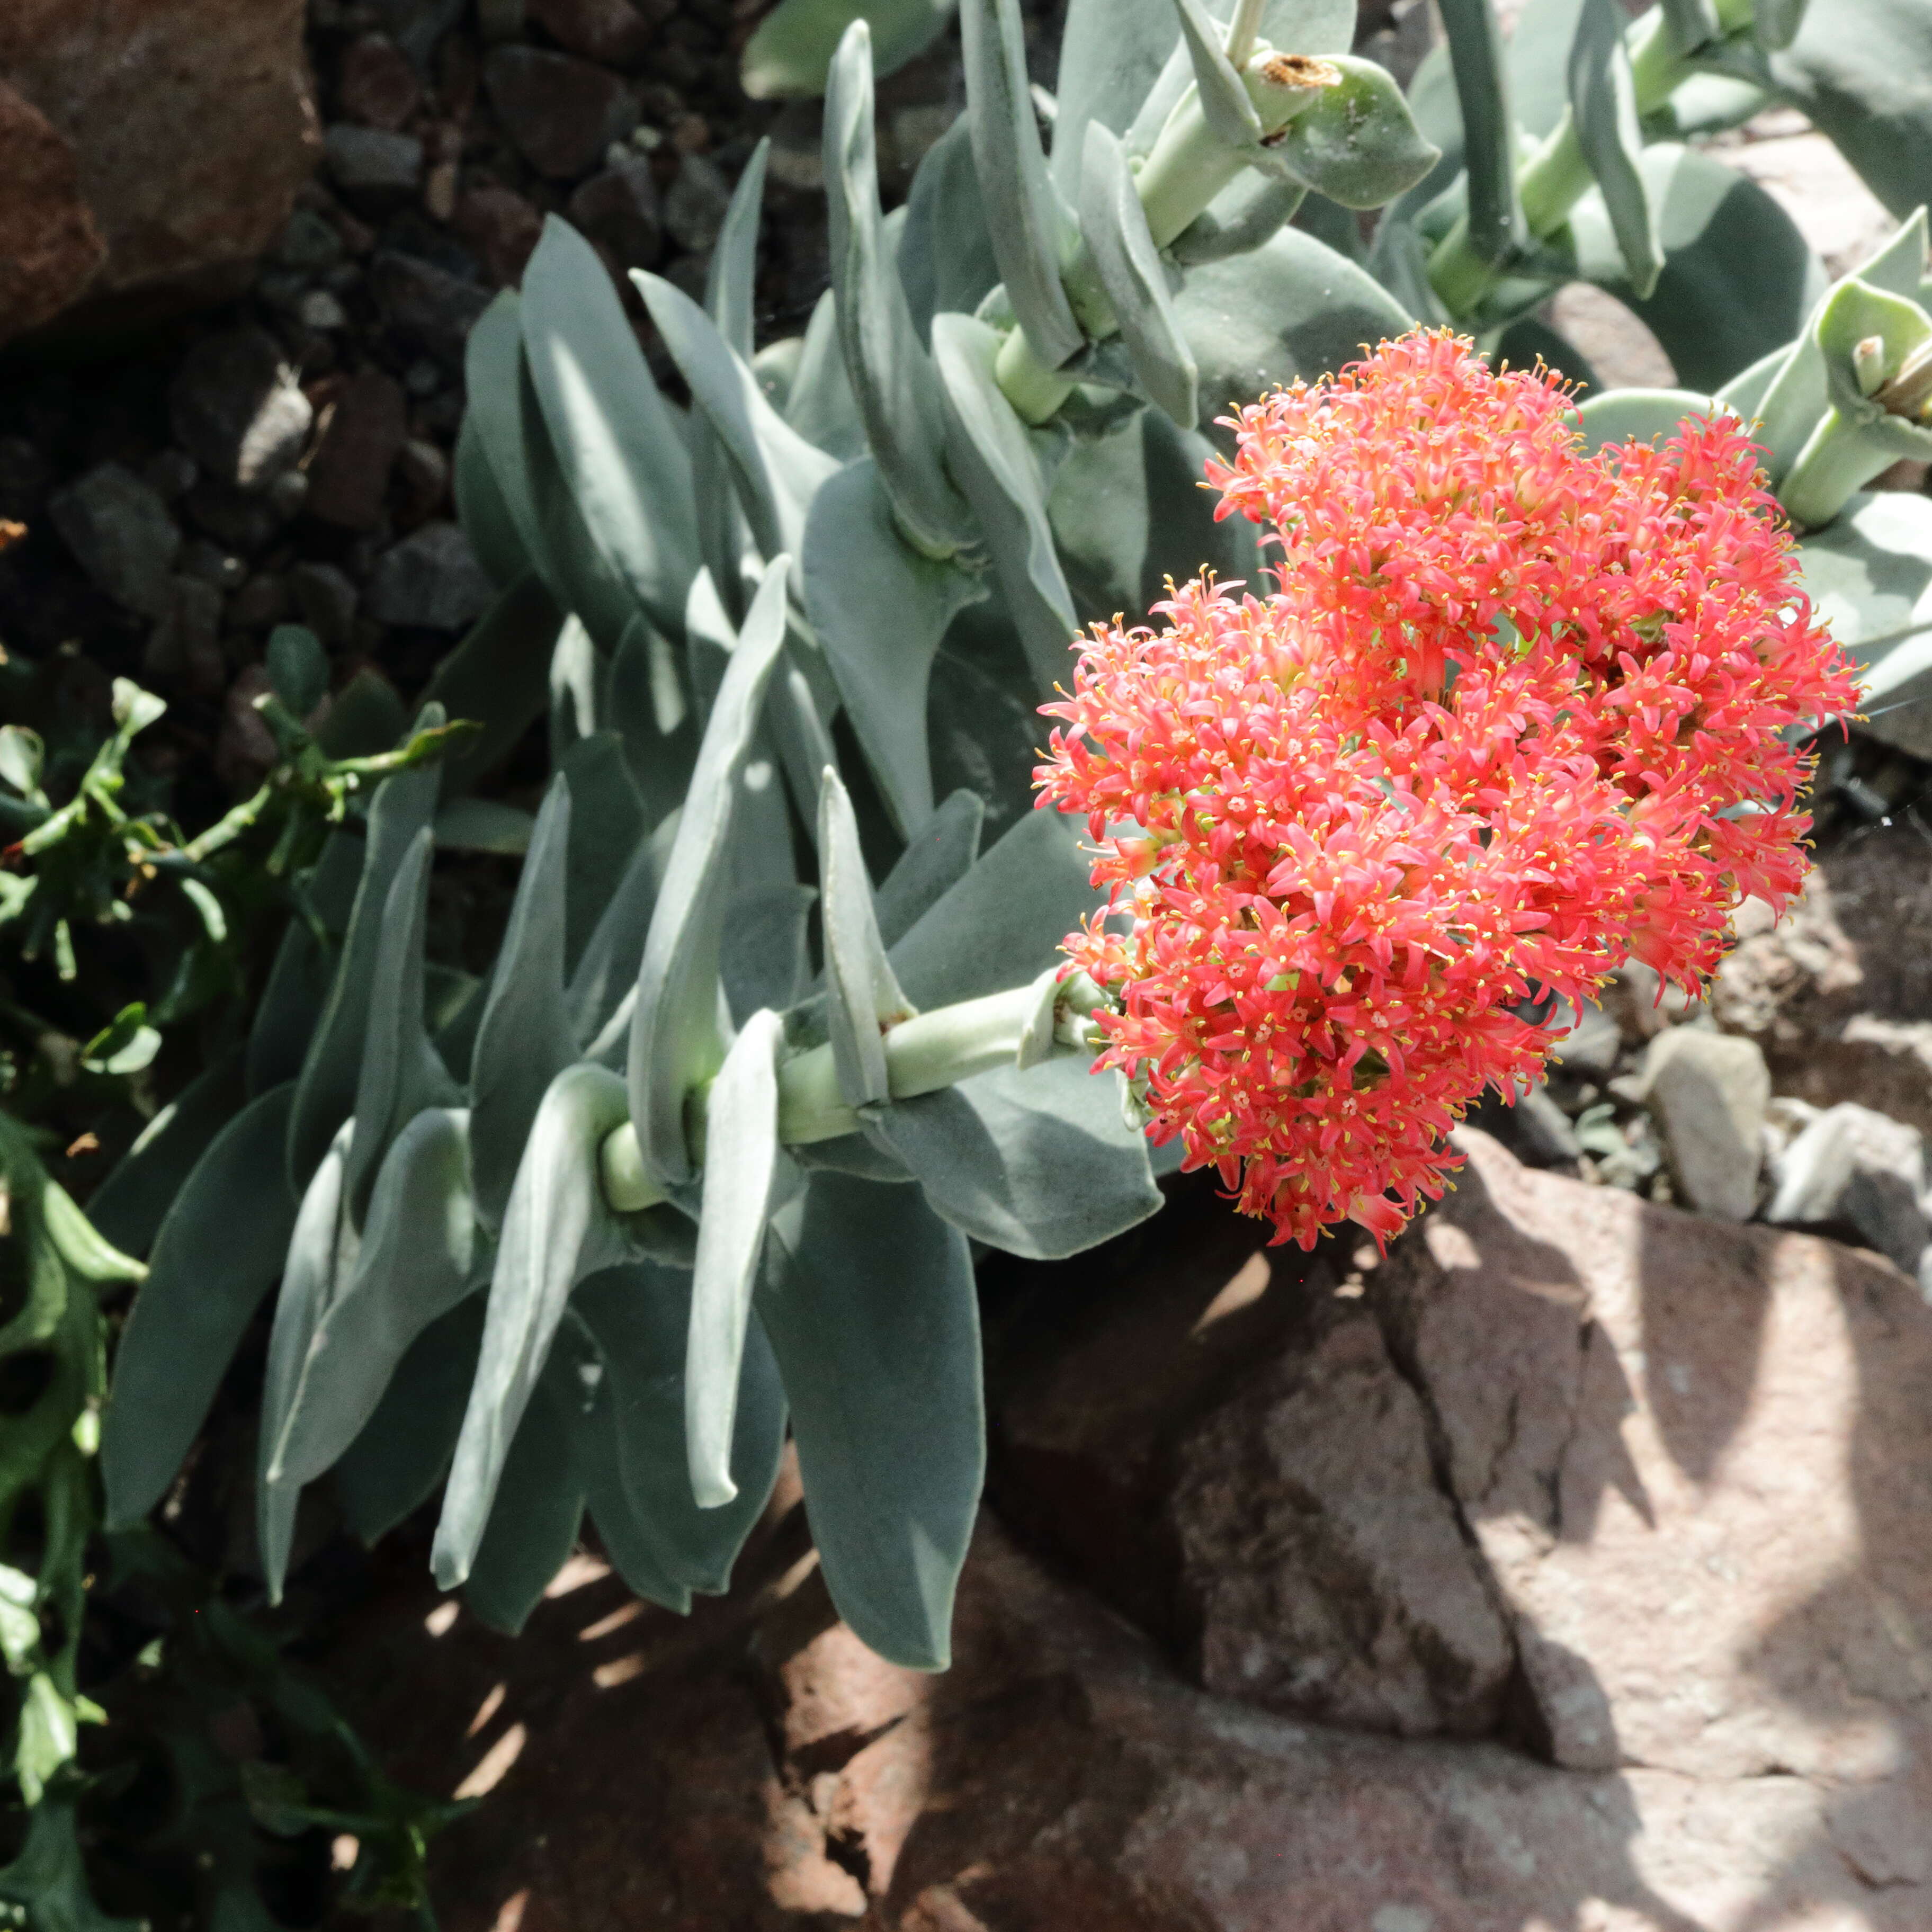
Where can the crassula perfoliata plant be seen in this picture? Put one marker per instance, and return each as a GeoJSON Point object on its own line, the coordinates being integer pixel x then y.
{"type": "Point", "coordinates": [801, 996]}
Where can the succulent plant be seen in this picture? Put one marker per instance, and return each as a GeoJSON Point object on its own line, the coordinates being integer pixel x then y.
{"type": "Point", "coordinates": [780, 1028]}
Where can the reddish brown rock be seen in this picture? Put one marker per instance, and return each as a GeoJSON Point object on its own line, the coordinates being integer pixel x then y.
{"type": "Point", "coordinates": [363, 432]}
{"type": "Point", "coordinates": [502, 227]}
{"type": "Point", "coordinates": [375, 84]}
{"type": "Point", "coordinates": [561, 113]}
{"type": "Point", "coordinates": [618, 209]}
{"type": "Point", "coordinates": [615, 32]}
{"type": "Point", "coordinates": [1698, 1459]}
{"type": "Point", "coordinates": [50, 247]}
{"type": "Point", "coordinates": [191, 126]}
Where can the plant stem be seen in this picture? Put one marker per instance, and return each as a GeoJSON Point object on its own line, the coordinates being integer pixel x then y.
{"type": "Point", "coordinates": [1836, 461]}
{"type": "Point", "coordinates": [923, 1055]}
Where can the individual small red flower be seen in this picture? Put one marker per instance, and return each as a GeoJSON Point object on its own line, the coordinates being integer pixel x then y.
{"type": "Point", "coordinates": [1513, 714]}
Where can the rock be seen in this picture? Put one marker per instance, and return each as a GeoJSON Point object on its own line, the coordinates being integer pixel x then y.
{"type": "Point", "coordinates": [191, 126]}
{"type": "Point", "coordinates": [619, 209]}
{"type": "Point", "coordinates": [326, 600]}
{"type": "Point", "coordinates": [502, 228]}
{"type": "Point", "coordinates": [427, 305]}
{"type": "Point", "coordinates": [260, 603]}
{"type": "Point", "coordinates": [310, 244]}
{"type": "Point", "coordinates": [1615, 342]}
{"type": "Point", "coordinates": [695, 207]}
{"type": "Point", "coordinates": [170, 474]}
{"type": "Point", "coordinates": [1708, 1092]}
{"type": "Point", "coordinates": [372, 165]}
{"type": "Point", "coordinates": [1328, 1574]}
{"type": "Point", "coordinates": [561, 113]}
{"type": "Point", "coordinates": [212, 564]}
{"type": "Point", "coordinates": [1837, 991]}
{"type": "Point", "coordinates": [671, 1777]}
{"type": "Point", "coordinates": [241, 521]}
{"type": "Point", "coordinates": [1833, 209]}
{"type": "Point", "coordinates": [1590, 1048]}
{"type": "Point", "coordinates": [50, 247]}
{"type": "Point", "coordinates": [245, 748]}
{"type": "Point", "coordinates": [1692, 1455]}
{"type": "Point", "coordinates": [121, 534]}
{"type": "Point", "coordinates": [185, 647]}
{"type": "Point", "coordinates": [614, 32]}
{"type": "Point", "coordinates": [365, 428]}
{"type": "Point", "coordinates": [375, 83]}
{"type": "Point", "coordinates": [422, 475]}
{"type": "Point", "coordinates": [319, 311]}
{"type": "Point", "coordinates": [431, 580]}
{"type": "Point", "coordinates": [1855, 1169]}
{"type": "Point", "coordinates": [236, 408]}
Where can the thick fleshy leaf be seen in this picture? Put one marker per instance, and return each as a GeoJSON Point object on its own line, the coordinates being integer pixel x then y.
{"type": "Point", "coordinates": [891, 375]}
{"type": "Point", "coordinates": [742, 1161]}
{"type": "Point", "coordinates": [1224, 105]}
{"type": "Point", "coordinates": [1111, 52]}
{"type": "Point", "coordinates": [217, 1253]}
{"type": "Point", "coordinates": [605, 977]}
{"type": "Point", "coordinates": [619, 452]}
{"type": "Point", "coordinates": [394, 1466]}
{"type": "Point", "coordinates": [483, 512]}
{"type": "Point", "coordinates": [1248, 211]}
{"type": "Point", "coordinates": [993, 457]}
{"type": "Point", "coordinates": [127, 1208]}
{"type": "Point", "coordinates": [1114, 225]}
{"type": "Point", "coordinates": [768, 963]}
{"type": "Point", "coordinates": [867, 1298]}
{"type": "Point", "coordinates": [880, 610]}
{"type": "Point", "coordinates": [293, 1001]}
{"type": "Point", "coordinates": [819, 403]}
{"type": "Point", "coordinates": [775, 470]}
{"type": "Point", "coordinates": [524, 1040]}
{"type": "Point", "coordinates": [557, 1230]}
{"type": "Point", "coordinates": [401, 1072]}
{"type": "Point", "coordinates": [945, 252]}
{"type": "Point", "coordinates": [508, 412]}
{"type": "Point", "coordinates": [1293, 307]}
{"type": "Point", "coordinates": [863, 997]}
{"type": "Point", "coordinates": [1357, 143]}
{"type": "Point", "coordinates": [1861, 71]}
{"type": "Point", "coordinates": [1489, 128]}
{"type": "Point", "coordinates": [1869, 574]}
{"type": "Point", "coordinates": [539, 1503]}
{"type": "Point", "coordinates": [1024, 214]}
{"type": "Point", "coordinates": [640, 1317]}
{"type": "Point", "coordinates": [938, 854]}
{"type": "Point", "coordinates": [607, 824]}
{"type": "Point", "coordinates": [403, 809]}
{"type": "Point", "coordinates": [1129, 512]}
{"type": "Point", "coordinates": [1038, 1163]}
{"type": "Point", "coordinates": [322, 1251]}
{"type": "Point", "coordinates": [675, 1038]}
{"type": "Point", "coordinates": [1003, 923]}
{"type": "Point", "coordinates": [788, 56]}
{"type": "Point", "coordinates": [1603, 106]}
{"type": "Point", "coordinates": [413, 1266]}
{"type": "Point", "coordinates": [1738, 280]}
{"type": "Point", "coordinates": [497, 676]}
{"type": "Point", "coordinates": [1637, 416]}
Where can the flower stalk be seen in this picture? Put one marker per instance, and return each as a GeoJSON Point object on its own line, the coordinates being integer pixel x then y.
{"type": "Point", "coordinates": [1021, 1027]}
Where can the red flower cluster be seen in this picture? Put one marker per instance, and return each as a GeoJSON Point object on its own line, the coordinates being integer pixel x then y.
{"type": "Point", "coordinates": [1515, 714]}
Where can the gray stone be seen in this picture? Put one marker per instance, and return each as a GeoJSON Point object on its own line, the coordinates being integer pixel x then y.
{"type": "Point", "coordinates": [185, 647]}
{"type": "Point", "coordinates": [1591, 1047]}
{"type": "Point", "coordinates": [121, 534]}
{"type": "Point", "coordinates": [373, 162]}
{"type": "Point", "coordinates": [170, 474]}
{"type": "Point", "coordinates": [696, 203]}
{"type": "Point", "coordinates": [310, 244]}
{"type": "Point", "coordinates": [326, 600]}
{"type": "Point", "coordinates": [242, 520]}
{"type": "Point", "coordinates": [431, 580]}
{"type": "Point", "coordinates": [212, 564]}
{"type": "Point", "coordinates": [321, 311]}
{"type": "Point", "coordinates": [1854, 1168]}
{"type": "Point", "coordinates": [236, 408]}
{"type": "Point", "coordinates": [1708, 1092]}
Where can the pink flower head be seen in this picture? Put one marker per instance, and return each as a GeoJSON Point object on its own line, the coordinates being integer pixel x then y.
{"type": "Point", "coordinates": [1514, 715]}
